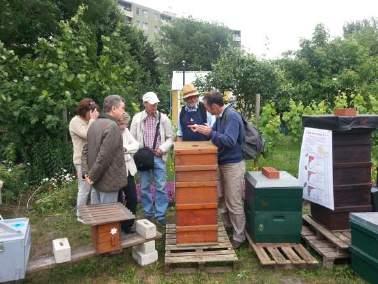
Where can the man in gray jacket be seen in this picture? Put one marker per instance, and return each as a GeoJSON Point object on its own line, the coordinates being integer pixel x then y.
{"type": "Point", "coordinates": [103, 163]}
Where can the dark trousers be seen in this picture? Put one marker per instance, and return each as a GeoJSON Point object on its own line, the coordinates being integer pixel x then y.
{"type": "Point", "coordinates": [128, 197]}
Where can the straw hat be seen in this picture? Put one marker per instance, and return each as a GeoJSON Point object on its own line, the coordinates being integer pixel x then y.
{"type": "Point", "coordinates": [189, 91]}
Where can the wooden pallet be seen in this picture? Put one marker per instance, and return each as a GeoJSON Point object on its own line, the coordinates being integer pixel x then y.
{"type": "Point", "coordinates": [192, 258]}
{"type": "Point", "coordinates": [332, 246]}
{"type": "Point", "coordinates": [282, 255]}
{"type": "Point", "coordinates": [78, 254]}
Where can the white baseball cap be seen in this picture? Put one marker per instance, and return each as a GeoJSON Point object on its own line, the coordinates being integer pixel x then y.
{"type": "Point", "coordinates": [150, 97]}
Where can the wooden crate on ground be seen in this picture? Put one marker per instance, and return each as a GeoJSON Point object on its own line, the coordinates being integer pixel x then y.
{"type": "Point", "coordinates": [332, 246]}
{"type": "Point", "coordinates": [106, 227]}
{"type": "Point", "coordinates": [191, 258]}
{"type": "Point", "coordinates": [284, 255]}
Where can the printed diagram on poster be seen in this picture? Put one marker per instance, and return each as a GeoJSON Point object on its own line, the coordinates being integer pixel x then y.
{"type": "Point", "coordinates": [315, 167]}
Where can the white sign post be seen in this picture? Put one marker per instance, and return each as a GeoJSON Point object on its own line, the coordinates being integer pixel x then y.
{"type": "Point", "coordinates": [316, 167]}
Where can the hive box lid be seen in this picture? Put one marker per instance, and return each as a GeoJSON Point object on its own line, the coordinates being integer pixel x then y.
{"type": "Point", "coordinates": [100, 214]}
{"type": "Point", "coordinates": [194, 147]}
{"type": "Point", "coordinates": [258, 180]}
{"type": "Point", "coordinates": [367, 220]}
{"type": "Point", "coordinates": [12, 229]}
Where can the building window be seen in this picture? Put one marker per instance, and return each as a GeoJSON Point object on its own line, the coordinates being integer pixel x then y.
{"type": "Point", "coordinates": [145, 13]}
{"type": "Point", "coordinates": [165, 17]}
{"type": "Point", "coordinates": [137, 11]}
{"type": "Point", "coordinates": [126, 6]}
{"type": "Point", "coordinates": [145, 26]}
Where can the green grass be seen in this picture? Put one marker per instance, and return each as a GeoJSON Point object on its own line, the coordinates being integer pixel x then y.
{"type": "Point", "coordinates": [122, 268]}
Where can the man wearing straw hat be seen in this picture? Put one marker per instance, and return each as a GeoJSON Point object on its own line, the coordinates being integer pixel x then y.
{"type": "Point", "coordinates": [193, 112]}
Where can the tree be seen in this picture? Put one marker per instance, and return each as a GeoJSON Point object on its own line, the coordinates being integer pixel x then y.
{"type": "Point", "coordinates": [23, 22]}
{"type": "Point", "coordinates": [245, 76]}
{"type": "Point", "coordinates": [36, 90]}
{"type": "Point", "coordinates": [198, 43]}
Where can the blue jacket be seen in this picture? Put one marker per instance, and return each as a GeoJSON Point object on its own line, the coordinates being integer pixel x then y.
{"type": "Point", "coordinates": [228, 136]}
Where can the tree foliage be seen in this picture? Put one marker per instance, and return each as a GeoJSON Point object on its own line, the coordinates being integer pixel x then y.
{"type": "Point", "coordinates": [37, 90]}
{"type": "Point", "coordinates": [198, 43]}
{"type": "Point", "coordinates": [245, 76]}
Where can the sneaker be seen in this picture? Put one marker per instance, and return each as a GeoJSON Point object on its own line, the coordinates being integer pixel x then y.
{"type": "Point", "coordinates": [235, 244]}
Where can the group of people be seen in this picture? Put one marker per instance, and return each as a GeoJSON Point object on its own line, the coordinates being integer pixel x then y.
{"type": "Point", "coordinates": [104, 148]}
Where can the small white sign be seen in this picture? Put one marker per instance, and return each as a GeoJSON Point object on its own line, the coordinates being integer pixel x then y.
{"type": "Point", "coordinates": [316, 167]}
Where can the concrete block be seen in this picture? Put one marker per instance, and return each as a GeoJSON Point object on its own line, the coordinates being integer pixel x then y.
{"type": "Point", "coordinates": [145, 228]}
{"type": "Point", "coordinates": [147, 247]}
{"type": "Point", "coordinates": [62, 250]}
{"type": "Point", "coordinates": [144, 258]}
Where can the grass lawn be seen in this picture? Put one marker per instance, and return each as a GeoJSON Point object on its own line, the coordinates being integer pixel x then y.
{"type": "Point", "coordinates": [122, 268]}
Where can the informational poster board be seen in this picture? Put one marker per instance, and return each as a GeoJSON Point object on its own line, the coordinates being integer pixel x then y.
{"type": "Point", "coordinates": [316, 167]}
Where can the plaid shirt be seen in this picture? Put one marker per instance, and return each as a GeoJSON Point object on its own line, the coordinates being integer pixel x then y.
{"type": "Point", "coordinates": [149, 131]}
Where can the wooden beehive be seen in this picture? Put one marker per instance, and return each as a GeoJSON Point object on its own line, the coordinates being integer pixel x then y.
{"type": "Point", "coordinates": [105, 220]}
{"type": "Point", "coordinates": [196, 192]}
{"type": "Point", "coordinates": [351, 147]}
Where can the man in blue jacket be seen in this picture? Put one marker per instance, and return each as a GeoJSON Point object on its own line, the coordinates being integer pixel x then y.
{"type": "Point", "coordinates": [228, 135]}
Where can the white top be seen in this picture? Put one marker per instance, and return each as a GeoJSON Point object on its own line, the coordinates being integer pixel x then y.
{"type": "Point", "coordinates": [130, 147]}
{"type": "Point", "coordinates": [78, 130]}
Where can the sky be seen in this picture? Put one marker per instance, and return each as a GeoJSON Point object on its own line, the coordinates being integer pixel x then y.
{"type": "Point", "coordinates": [270, 27]}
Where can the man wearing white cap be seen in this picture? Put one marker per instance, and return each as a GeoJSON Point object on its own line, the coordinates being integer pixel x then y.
{"type": "Point", "coordinates": [193, 112]}
{"type": "Point", "coordinates": [153, 130]}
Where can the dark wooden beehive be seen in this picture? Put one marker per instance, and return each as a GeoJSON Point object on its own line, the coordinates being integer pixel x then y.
{"type": "Point", "coordinates": [196, 192]}
{"type": "Point", "coordinates": [351, 147]}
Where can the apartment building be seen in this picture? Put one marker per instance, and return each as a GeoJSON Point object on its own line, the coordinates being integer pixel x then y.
{"type": "Point", "coordinates": [146, 19]}
{"type": "Point", "coordinates": [150, 20]}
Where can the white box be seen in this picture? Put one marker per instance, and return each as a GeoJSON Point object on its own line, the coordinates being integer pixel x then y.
{"type": "Point", "coordinates": [62, 250]}
{"type": "Point", "coordinates": [15, 243]}
{"type": "Point", "coordinates": [144, 258]}
{"type": "Point", "coordinates": [146, 228]}
{"type": "Point", "coordinates": [147, 247]}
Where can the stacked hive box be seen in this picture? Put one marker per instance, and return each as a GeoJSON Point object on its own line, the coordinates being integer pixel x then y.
{"type": "Point", "coordinates": [351, 147]}
{"type": "Point", "coordinates": [364, 248]}
{"type": "Point", "coordinates": [196, 192]}
{"type": "Point", "coordinates": [273, 208]}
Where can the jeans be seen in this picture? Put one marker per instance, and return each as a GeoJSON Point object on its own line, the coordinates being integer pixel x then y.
{"type": "Point", "coordinates": [128, 197]}
{"type": "Point", "coordinates": [99, 197]}
{"type": "Point", "coordinates": [83, 189]}
{"type": "Point", "coordinates": [161, 201]}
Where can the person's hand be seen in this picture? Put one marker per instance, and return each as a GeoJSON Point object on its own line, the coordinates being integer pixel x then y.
{"type": "Point", "coordinates": [93, 114]}
{"type": "Point", "coordinates": [88, 179]}
{"type": "Point", "coordinates": [203, 129]}
{"type": "Point", "coordinates": [158, 152]}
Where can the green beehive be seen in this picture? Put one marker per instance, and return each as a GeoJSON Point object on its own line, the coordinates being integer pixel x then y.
{"type": "Point", "coordinates": [374, 198]}
{"type": "Point", "coordinates": [364, 265]}
{"type": "Point", "coordinates": [364, 230]}
{"type": "Point", "coordinates": [273, 208]}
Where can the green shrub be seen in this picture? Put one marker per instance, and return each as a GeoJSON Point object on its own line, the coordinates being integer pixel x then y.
{"type": "Point", "coordinates": [15, 181]}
